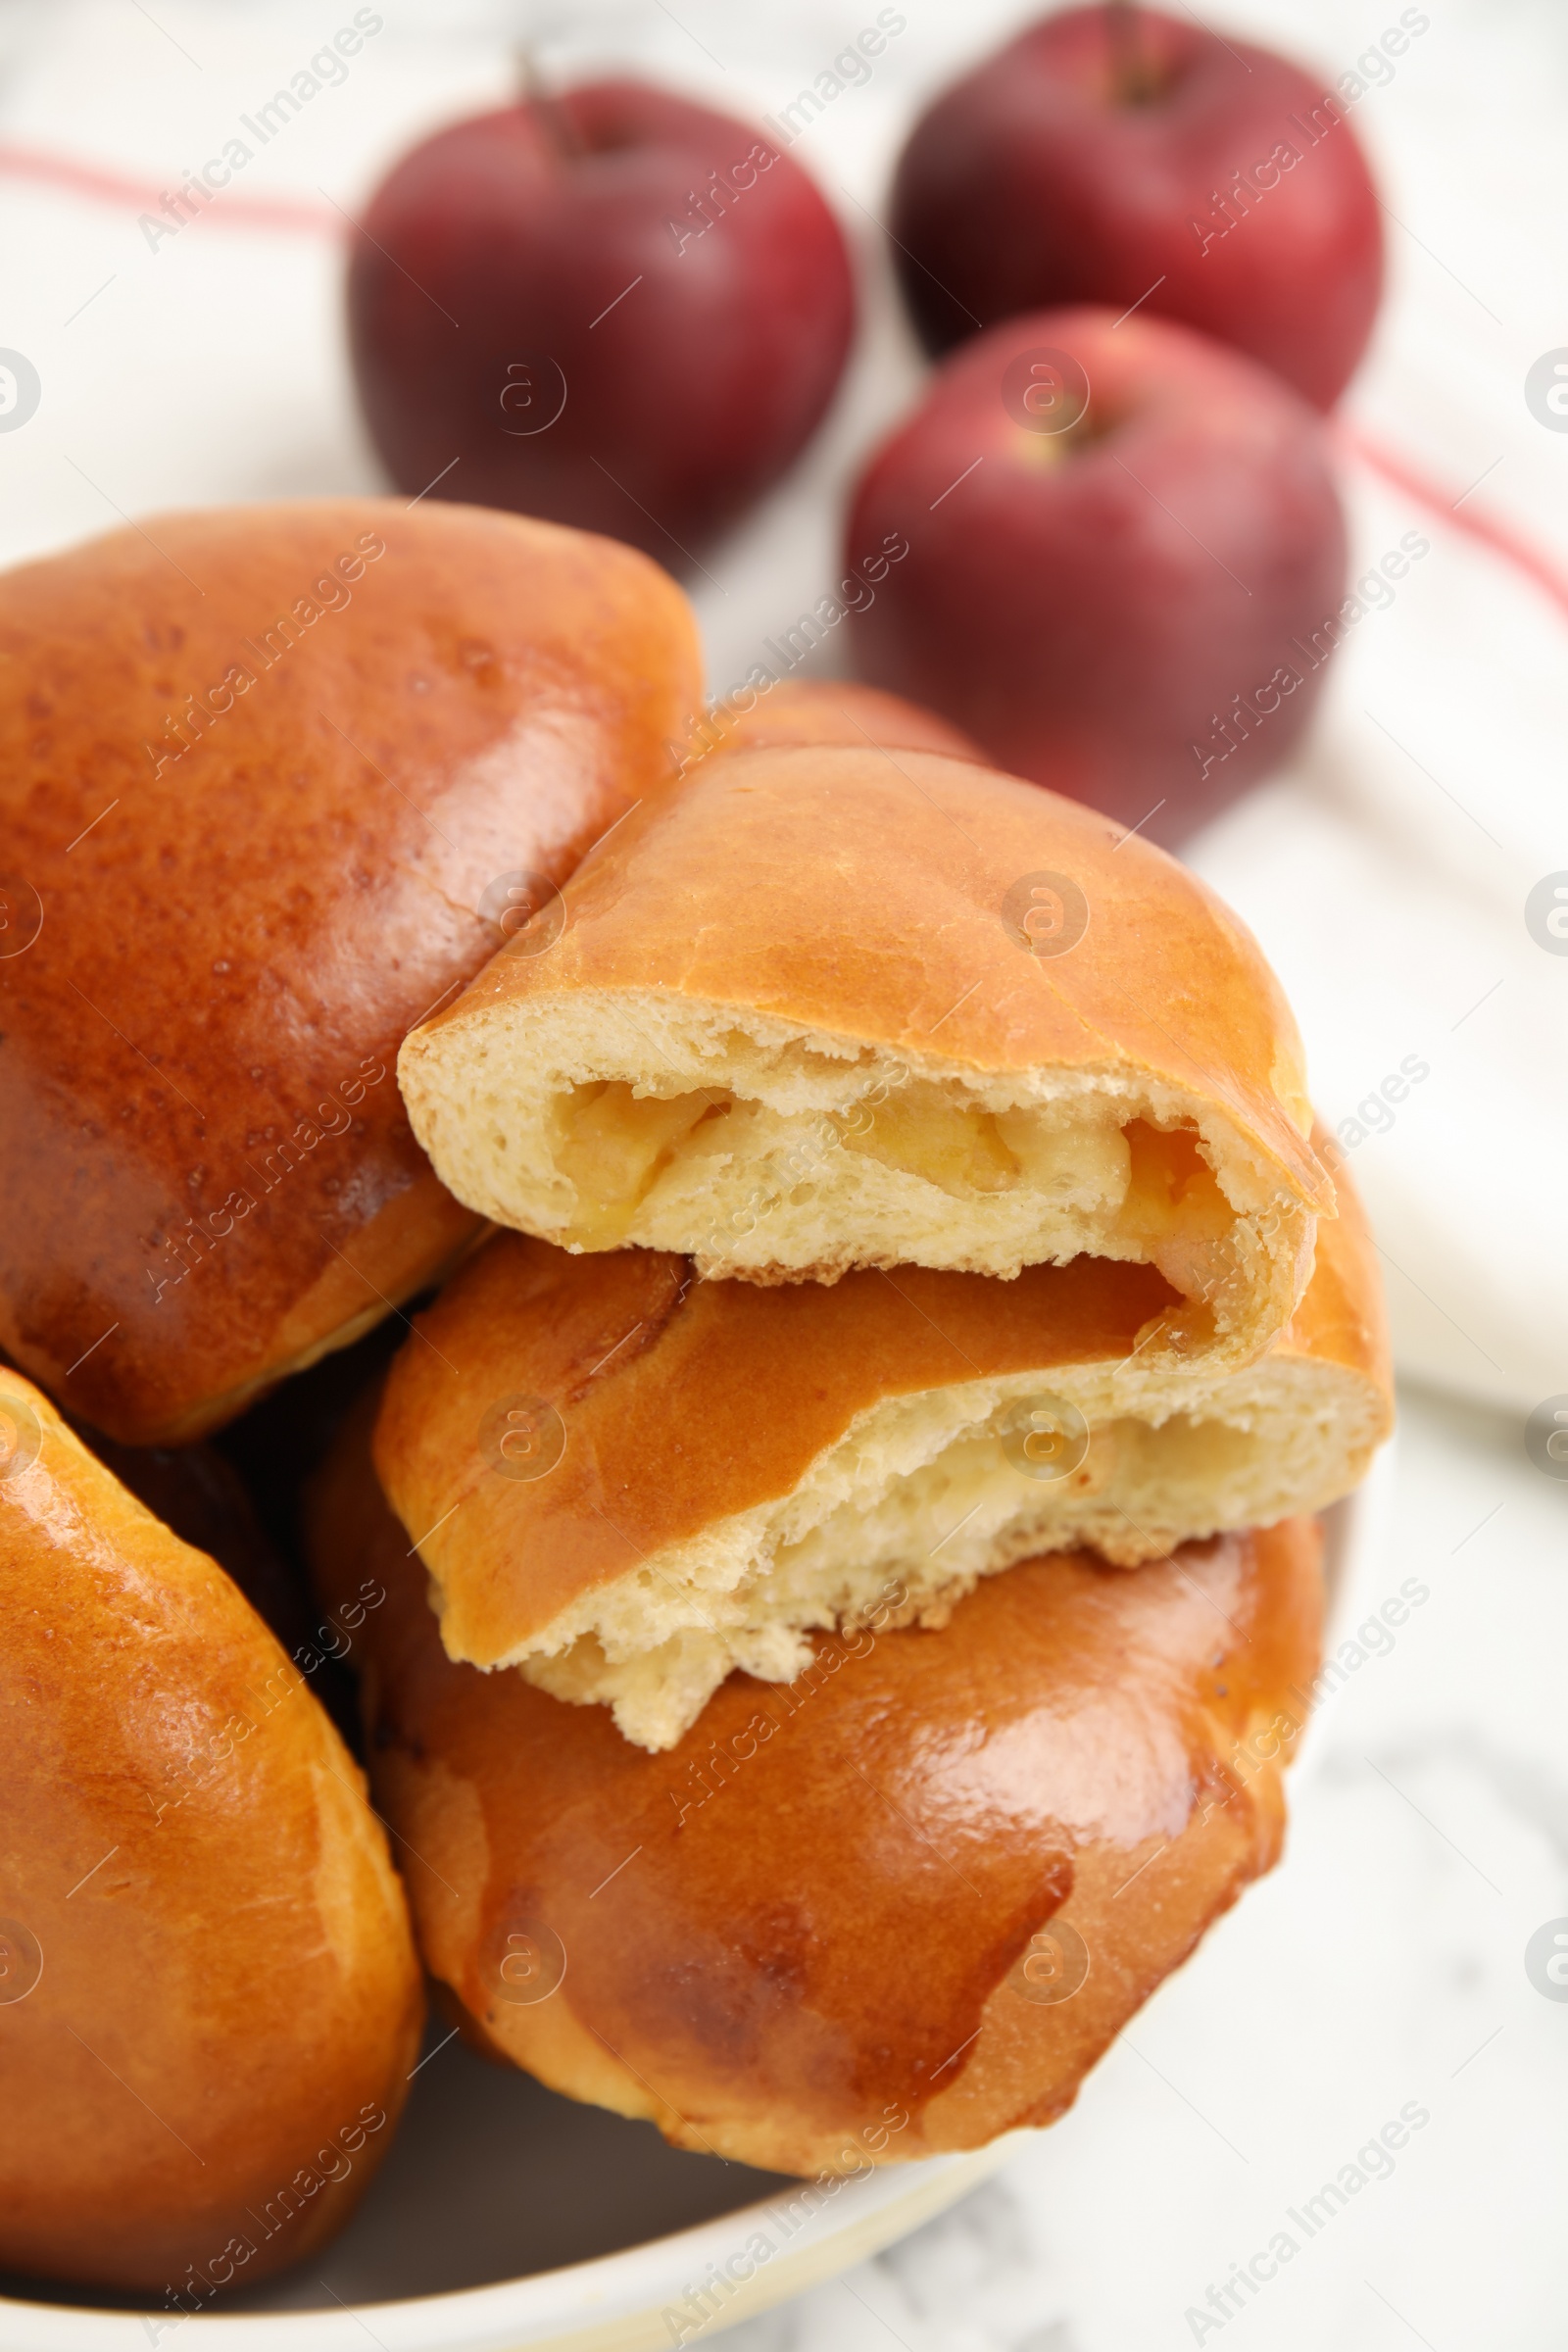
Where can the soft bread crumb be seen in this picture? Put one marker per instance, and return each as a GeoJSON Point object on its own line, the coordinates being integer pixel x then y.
{"type": "Point", "coordinates": [606, 1119]}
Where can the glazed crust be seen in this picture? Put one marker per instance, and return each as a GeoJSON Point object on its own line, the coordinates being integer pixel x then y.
{"type": "Point", "coordinates": [815, 1937]}
{"type": "Point", "coordinates": [211, 2063]}
{"type": "Point", "coordinates": [1344, 1318]}
{"type": "Point", "coordinates": [206, 1175]}
{"type": "Point", "coordinates": [807, 711]}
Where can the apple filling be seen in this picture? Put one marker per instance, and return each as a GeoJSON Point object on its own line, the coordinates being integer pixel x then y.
{"type": "Point", "coordinates": [1138, 1190]}
{"type": "Point", "coordinates": [613, 1145]}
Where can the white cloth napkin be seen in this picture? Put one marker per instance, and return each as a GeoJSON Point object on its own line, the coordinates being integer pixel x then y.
{"type": "Point", "coordinates": [1385, 872]}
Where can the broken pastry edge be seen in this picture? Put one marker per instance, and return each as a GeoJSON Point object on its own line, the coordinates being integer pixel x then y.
{"type": "Point", "coordinates": [655, 1643]}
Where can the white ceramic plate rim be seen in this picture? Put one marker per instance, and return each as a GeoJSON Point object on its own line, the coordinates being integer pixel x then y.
{"type": "Point", "coordinates": [587, 2301]}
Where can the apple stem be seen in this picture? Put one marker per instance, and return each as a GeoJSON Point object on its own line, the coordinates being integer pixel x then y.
{"type": "Point", "coordinates": [1132, 74]}
{"type": "Point", "coordinates": [551, 117]}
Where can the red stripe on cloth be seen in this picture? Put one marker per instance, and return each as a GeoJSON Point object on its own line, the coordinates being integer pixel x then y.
{"type": "Point", "coordinates": [1487, 529]}
{"type": "Point", "coordinates": [298, 212]}
{"type": "Point", "coordinates": [113, 187]}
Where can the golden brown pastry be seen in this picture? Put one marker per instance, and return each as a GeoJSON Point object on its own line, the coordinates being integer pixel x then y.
{"type": "Point", "coordinates": [820, 1008]}
{"type": "Point", "coordinates": [201, 1497]}
{"type": "Point", "coordinates": [806, 710]}
{"type": "Point", "coordinates": [627, 1482]}
{"type": "Point", "coordinates": [275, 782]}
{"type": "Point", "coordinates": [899, 1906]}
{"type": "Point", "coordinates": [209, 1997]}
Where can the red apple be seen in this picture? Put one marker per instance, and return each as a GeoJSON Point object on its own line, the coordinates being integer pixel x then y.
{"type": "Point", "coordinates": [612, 308]}
{"type": "Point", "coordinates": [1117, 155]}
{"type": "Point", "coordinates": [1126, 561]}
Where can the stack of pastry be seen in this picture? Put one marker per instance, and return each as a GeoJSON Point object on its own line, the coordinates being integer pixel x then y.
{"type": "Point", "coordinates": [835, 1583]}
{"type": "Point", "coordinates": [892, 1426]}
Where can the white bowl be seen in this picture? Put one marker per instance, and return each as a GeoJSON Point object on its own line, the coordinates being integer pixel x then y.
{"type": "Point", "coordinates": [506, 2217]}
{"type": "Point", "coordinates": [491, 2176]}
